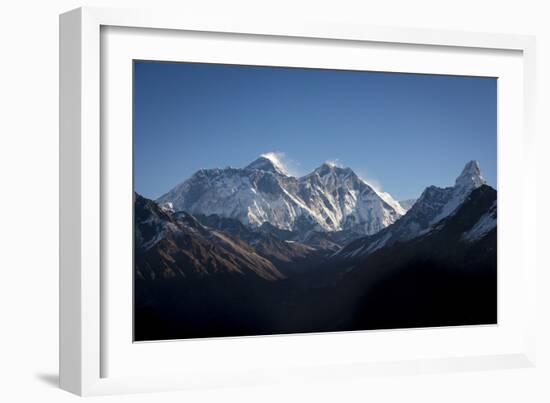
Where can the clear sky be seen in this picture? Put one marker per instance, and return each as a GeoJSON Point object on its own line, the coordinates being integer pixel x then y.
{"type": "Point", "coordinates": [401, 132]}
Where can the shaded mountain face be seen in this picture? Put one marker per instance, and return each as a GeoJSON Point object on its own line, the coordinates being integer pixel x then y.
{"type": "Point", "coordinates": [432, 206]}
{"type": "Point", "coordinates": [448, 276]}
{"type": "Point", "coordinates": [280, 247]}
{"type": "Point", "coordinates": [329, 199]}
{"type": "Point", "coordinates": [167, 247]}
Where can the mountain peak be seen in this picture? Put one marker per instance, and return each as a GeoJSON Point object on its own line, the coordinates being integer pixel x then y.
{"type": "Point", "coordinates": [471, 176]}
{"type": "Point", "coordinates": [269, 163]}
{"type": "Point", "coordinates": [328, 167]}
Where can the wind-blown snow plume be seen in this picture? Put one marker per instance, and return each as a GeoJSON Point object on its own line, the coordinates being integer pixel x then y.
{"type": "Point", "coordinates": [282, 162]}
{"type": "Point", "coordinates": [334, 163]}
{"type": "Point", "coordinates": [276, 159]}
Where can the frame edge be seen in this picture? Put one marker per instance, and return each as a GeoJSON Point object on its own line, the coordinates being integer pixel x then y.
{"type": "Point", "coordinates": [70, 119]}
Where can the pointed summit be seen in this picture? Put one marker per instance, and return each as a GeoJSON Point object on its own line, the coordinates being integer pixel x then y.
{"type": "Point", "coordinates": [471, 176]}
{"type": "Point", "coordinates": [269, 163]}
{"type": "Point", "coordinates": [470, 179]}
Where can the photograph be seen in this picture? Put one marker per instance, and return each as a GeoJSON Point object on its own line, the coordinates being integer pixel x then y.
{"type": "Point", "coordinates": [271, 200]}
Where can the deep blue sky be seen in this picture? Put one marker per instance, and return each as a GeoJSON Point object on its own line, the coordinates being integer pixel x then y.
{"type": "Point", "coordinates": [402, 132]}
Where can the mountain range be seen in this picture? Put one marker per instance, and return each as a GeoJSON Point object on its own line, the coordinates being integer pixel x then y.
{"type": "Point", "coordinates": [330, 198]}
{"type": "Point", "coordinates": [253, 250]}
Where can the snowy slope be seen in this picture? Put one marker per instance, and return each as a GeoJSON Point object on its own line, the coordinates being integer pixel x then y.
{"type": "Point", "coordinates": [343, 201]}
{"type": "Point", "coordinates": [486, 224]}
{"type": "Point", "coordinates": [407, 204]}
{"type": "Point", "coordinates": [329, 199]}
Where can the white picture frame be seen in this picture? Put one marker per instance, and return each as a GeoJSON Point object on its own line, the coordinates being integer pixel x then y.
{"type": "Point", "coordinates": [86, 345]}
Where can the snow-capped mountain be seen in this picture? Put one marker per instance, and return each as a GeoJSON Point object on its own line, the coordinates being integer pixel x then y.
{"type": "Point", "coordinates": [343, 201]}
{"type": "Point", "coordinates": [470, 179]}
{"type": "Point", "coordinates": [330, 198]}
{"type": "Point", "coordinates": [432, 206]}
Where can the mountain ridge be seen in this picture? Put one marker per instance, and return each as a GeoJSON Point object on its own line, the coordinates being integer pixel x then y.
{"type": "Point", "coordinates": [167, 247]}
{"type": "Point", "coordinates": [433, 205]}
